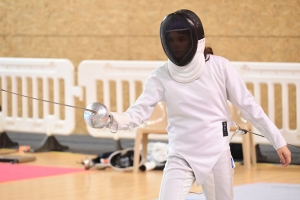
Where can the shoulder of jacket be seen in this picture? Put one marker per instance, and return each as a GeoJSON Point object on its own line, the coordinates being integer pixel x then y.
{"type": "Point", "coordinates": [161, 69]}
{"type": "Point", "coordinates": [219, 59]}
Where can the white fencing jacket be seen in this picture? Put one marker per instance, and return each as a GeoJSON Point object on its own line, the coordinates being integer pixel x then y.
{"type": "Point", "coordinates": [197, 112]}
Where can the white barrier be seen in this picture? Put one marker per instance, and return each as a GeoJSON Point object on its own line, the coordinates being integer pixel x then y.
{"type": "Point", "coordinates": [17, 73]}
{"type": "Point", "coordinates": [131, 72]}
{"type": "Point", "coordinates": [36, 78]}
{"type": "Point", "coordinates": [91, 71]}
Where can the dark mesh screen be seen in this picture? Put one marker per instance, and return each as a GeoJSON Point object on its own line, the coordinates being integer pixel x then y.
{"type": "Point", "coordinates": [179, 39]}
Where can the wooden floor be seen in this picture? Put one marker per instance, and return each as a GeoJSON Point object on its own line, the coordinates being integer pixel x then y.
{"type": "Point", "coordinates": [109, 184]}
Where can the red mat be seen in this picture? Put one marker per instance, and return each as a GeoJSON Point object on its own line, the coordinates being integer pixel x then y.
{"type": "Point", "coordinates": [13, 172]}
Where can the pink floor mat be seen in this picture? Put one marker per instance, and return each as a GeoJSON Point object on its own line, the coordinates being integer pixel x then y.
{"type": "Point", "coordinates": [13, 172]}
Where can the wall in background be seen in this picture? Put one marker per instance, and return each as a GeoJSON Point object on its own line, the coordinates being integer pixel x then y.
{"type": "Point", "coordinates": [262, 31]}
{"type": "Point", "coordinates": [128, 29]}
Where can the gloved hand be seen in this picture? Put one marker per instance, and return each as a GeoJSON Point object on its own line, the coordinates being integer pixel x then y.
{"type": "Point", "coordinates": [118, 121]}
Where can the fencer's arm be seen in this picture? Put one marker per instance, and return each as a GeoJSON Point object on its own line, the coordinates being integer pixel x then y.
{"type": "Point", "coordinates": [140, 111]}
{"type": "Point", "coordinates": [239, 95]}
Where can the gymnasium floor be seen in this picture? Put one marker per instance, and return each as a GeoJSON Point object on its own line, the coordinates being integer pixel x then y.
{"type": "Point", "coordinates": [109, 184]}
{"type": "Point", "coordinates": [60, 175]}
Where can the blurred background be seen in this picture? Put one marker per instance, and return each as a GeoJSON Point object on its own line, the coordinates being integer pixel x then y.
{"type": "Point", "coordinates": [255, 31]}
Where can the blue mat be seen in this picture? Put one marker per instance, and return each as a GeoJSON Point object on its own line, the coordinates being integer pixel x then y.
{"type": "Point", "coordinates": [261, 191]}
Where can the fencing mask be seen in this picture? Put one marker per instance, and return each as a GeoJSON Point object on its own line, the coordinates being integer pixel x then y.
{"type": "Point", "coordinates": [179, 34]}
{"type": "Point", "coordinates": [183, 40]}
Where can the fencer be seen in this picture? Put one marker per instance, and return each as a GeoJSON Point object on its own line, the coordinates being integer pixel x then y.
{"type": "Point", "coordinates": [196, 86]}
